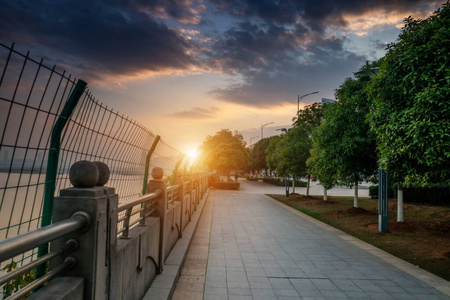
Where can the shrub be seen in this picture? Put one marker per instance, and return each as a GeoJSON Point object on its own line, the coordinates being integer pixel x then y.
{"type": "Point", "coordinates": [227, 185]}
{"type": "Point", "coordinates": [373, 191]}
{"type": "Point", "coordinates": [281, 182]}
{"type": "Point", "coordinates": [438, 195]}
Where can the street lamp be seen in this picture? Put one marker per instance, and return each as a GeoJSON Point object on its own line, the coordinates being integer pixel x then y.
{"type": "Point", "coordinates": [300, 98]}
{"type": "Point", "coordinates": [262, 127]}
{"type": "Point", "coordinates": [251, 139]}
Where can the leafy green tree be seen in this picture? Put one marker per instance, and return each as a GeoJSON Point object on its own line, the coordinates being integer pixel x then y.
{"type": "Point", "coordinates": [344, 147]}
{"type": "Point", "coordinates": [258, 154]}
{"type": "Point", "coordinates": [288, 153]}
{"type": "Point", "coordinates": [224, 152]}
{"type": "Point", "coordinates": [411, 113]}
{"type": "Point", "coordinates": [308, 120]}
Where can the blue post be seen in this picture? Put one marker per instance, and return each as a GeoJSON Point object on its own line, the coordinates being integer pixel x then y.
{"type": "Point", "coordinates": [286, 186]}
{"type": "Point", "coordinates": [382, 201]}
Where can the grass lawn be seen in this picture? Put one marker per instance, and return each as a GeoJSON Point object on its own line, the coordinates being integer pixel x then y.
{"type": "Point", "coordinates": [423, 239]}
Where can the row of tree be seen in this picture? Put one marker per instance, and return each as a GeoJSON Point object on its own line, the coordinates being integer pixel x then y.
{"type": "Point", "coordinates": [394, 114]}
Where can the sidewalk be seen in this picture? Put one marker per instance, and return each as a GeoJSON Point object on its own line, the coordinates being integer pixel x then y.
{"type": "Point", "coordinates": [260, 249]}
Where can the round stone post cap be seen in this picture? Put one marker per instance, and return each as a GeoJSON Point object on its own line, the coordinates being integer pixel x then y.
{"type": "Point", "coordinates": [157, 173]}
{"type": "Point", "coordinates": [104, 173]}
{"type": "Point", "coordinates": [83, 174]}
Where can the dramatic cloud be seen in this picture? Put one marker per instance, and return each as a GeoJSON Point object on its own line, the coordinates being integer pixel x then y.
{"type": "Point", "coordinates": [270, 49]}
{"type": "Point", "coordinates": [196, 113]}
{"type": "Point", "coordinates": [97, 35]}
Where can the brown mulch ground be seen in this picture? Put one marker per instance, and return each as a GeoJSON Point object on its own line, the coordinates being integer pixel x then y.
{"type": "Point", "coordinates": [352, 211]}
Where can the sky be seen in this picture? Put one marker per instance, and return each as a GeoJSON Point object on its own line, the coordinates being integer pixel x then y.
{"type": "Point", "coordinates": [186, 69]}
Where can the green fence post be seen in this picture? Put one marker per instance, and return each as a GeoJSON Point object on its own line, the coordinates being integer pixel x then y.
{"type": "Point", "coordinates": [147, 163]}
{"type": "Point", "coordinates": [177, 165]}
{"type": "Point", "coordinates": [52, 164]}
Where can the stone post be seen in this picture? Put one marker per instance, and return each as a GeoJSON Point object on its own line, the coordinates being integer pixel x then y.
{"type": "Point", "coordinates": [180, 197]}
{"type": "Point", "coordinates": [157, 183]}
{"type": "Point", "coordinates": [95, 244]}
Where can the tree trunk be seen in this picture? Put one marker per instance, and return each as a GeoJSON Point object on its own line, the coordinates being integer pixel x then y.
{"type": "Point", "coordinates": [325, 198]}
{"type": "Point", "coordinates": [293, 184]}
{"type": "Point", "coordinates": [355, 200]}
{"type": "Point", "coordinates": [307, 186]}
{"type": "Point", "coordinates": [399, 203]}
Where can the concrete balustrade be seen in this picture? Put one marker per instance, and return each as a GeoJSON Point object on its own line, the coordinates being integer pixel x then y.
{"type": "Point", "coordinates": [107, 266]}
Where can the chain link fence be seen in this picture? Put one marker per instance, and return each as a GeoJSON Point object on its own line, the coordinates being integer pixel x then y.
{"type": "Point", "coordinates": [33, 97]}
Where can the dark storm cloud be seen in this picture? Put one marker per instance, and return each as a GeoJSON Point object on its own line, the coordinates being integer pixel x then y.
{"type": "Point", "coordinates": [97, 35]}
{"type": "Point", "coordinates": [317, 14]}
{"type": "Point", "coordinates": [275, 62]}
{"type": "Point", "coordinates": [281, 47]}
{"type": "Point", "coordinates": [196, 113]}
{"type": "Point", "coordinates": [185, 11]}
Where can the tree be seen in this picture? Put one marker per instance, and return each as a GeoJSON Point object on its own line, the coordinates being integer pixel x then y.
{"type": "Point", "coordinates": [224, 152]}
{"type": "Point", "coordinates": [344, 147]}
{"type": "Point", "coordinates": [308, 120]}
{"type": "Point", "coordinates": [288, 153]}
{"type": "Point", "coordinates": [411, 113]}
{"type": "Point", "coordinates": [259, 154]}
{"type": "Point", "coordinates": [411, 116]}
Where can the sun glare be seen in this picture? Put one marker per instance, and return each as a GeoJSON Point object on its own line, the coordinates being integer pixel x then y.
{"type": "Point", "coordinates": [193, 154]}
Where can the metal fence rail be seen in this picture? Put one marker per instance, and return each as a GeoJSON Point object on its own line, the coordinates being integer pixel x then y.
{"type": "Point", "coordinates": [32, 98]}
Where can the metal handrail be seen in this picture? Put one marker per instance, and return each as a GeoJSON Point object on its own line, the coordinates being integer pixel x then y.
{"type": "Point", "coordinates": [30, 240]}
{"type": "Point", "coordinates": [68, 263]}
{"type": "Point", "coordinates": [142, 199]}
{"type": "Point", "coordinates": [69, 246]}
{"type": "Point", "coordinates": [128, 208]}
{"type": "Point", "coordinates": [173, 187]}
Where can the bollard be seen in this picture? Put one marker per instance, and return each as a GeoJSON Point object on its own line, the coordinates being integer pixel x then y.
{"type": "Point", "coordinates": [93, 258]}
{"type": "Point", "coordinates": [157, 183]}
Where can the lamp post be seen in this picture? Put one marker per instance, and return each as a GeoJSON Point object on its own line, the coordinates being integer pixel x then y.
{"type": "Point", "coordinates": [262, 127]}
{"type": "Point", "coordinates": [300, 98]}
{"type": "Point", "coordinates": [251, 139]}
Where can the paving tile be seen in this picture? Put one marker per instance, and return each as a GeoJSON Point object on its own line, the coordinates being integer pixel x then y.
{"type": "Point", "coordinates": [239, 291]}
{"type": "Point", "coordinates": [185, 295]}
{"type": "Point", "coordinates": [260, 250]}
{"type": "Point", "coordinates": [281, 283]}
{"type": "Point", "coordinates": [216, 290]}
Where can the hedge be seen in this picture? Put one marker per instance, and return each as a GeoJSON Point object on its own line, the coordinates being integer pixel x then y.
{"type": "Point", "coordinates": [281, 182]}
{"type": "Point", "coordinates": [227, 185]}
{"type": "Point", "coordinates": [438, 195]}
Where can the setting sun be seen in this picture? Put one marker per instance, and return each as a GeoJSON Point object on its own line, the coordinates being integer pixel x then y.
{"type": "Point", "coordinates": [192, 154]}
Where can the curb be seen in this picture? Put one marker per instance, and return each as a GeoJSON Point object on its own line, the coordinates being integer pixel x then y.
{"type": "Point", "coordinates": [164, 284]}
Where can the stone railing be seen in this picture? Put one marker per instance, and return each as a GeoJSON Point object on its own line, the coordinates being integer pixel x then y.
{"type": "Point", "coordinates": [125, 245]}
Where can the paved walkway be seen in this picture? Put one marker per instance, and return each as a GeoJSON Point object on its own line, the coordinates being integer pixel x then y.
{"type": "Point", "coordinates": [248, 246]}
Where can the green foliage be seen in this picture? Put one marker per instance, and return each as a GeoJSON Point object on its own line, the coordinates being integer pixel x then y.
{"type": "Point", "coordinates": [17, 283]}
{"type": "Point", "coordinates": [373, 191]}
{"type": "Point", "coordinates": [281, 182]}
{"type": "Point", "coordinates": [288, 153]}
{"type": "Point", "coordinates": [221, 185]}
{"type": "Point", "coordinates": [258, 154]}
{"type": "Point", "coordinates": [224, 152]}
{"type": "Point", "coordinates": [344, 149]}
{"type": "Point", "coordinates": [436, 195]}
{"type": "Point", "coordinates": [411, 113]}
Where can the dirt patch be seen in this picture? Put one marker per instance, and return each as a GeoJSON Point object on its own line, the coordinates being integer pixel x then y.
{"type": "Point", "coordinates": [353, 211]}
{"type": "Point", "coordinates": [320, 202]}
{"type": "Point", "coordinates": [407, 227]}
{"type": "Point", "coordinates": [438, 228]}
{"type": "Point", "coordinates": [442, 214]}
{"type": "Point", "coordinates": [298, 197]}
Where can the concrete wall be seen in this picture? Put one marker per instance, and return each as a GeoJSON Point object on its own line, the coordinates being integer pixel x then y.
{"type": "Point", "coordinates": [136, 261]}
{"type": "Point", "coordinates": [108, 267]}
{"type": "Point", "coordinates": [172, 227]}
